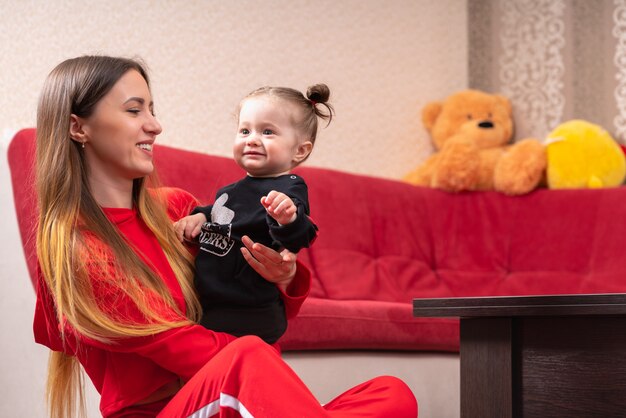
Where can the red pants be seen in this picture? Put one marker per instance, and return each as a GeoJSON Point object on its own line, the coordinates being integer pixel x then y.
{"type": "Point", "coordinates": [248, 378]}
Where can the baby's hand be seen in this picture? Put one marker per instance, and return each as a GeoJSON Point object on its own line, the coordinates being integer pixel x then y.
{"type": "Point", "coordinates": [280, 207]}
{"type": "Point", "coordinates": [189, 227]}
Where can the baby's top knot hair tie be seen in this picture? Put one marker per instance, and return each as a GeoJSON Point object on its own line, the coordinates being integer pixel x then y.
{"type": "Point", "coordinates": [313, 103]}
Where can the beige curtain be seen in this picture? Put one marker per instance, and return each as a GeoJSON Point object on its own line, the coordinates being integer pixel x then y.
{"type": "Point", "coordinates": [555, 59]}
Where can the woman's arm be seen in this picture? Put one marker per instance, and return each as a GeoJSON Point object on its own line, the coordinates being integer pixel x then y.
{"type": "Point", "coordinates": [292, 278]}
{"type": "Point", "coordinates": [278, 268]}
{"type": "Point", "coordinates": [182, 350]}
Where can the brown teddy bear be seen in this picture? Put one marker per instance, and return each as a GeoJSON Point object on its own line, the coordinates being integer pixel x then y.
{"type": "Point", "coordinates": [471, 131]}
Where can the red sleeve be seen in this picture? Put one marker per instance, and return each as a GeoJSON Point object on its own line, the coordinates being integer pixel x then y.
{"type": "Point", "coordinates": [182, 350]}
{"type": "Point", "coordinates": [297, 291]}
{"type": "Point", "coordinates": [45, 325]}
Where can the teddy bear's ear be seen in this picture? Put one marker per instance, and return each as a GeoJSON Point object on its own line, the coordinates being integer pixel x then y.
{"type": "Point", "coordinates": [505, 103]}
{"type": "Point", "coordinates": [430, 113]}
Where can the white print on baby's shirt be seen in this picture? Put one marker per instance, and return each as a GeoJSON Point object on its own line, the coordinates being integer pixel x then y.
{"type": "Point", "coordinates": [215, 234]}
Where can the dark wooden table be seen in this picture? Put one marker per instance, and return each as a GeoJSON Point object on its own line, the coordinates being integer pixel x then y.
{"type": "Point", "coordinates": [539, 356]}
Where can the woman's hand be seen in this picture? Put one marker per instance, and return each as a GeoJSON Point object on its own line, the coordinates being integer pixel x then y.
{"type": "Point", "coordinates": [278, 268]}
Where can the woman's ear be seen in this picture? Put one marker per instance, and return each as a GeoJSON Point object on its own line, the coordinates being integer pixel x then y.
{"type": "Point", "coordinates": [304, 149]}
{"type": "Point", "coordinates": [77, 132]}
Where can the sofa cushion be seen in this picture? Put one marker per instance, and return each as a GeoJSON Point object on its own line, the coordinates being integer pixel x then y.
{"type": "Point", "coordinates": [367, 324]}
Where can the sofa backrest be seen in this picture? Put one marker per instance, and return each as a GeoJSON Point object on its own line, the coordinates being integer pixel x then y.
{"type": "Point", "coordinates": [389, 241]}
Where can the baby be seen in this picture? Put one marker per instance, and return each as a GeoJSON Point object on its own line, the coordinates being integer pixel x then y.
{"type": "Point", "coordinates": [276, 131]}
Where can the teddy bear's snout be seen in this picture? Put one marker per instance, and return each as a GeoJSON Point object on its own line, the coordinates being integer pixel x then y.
{"type": "Point", "coordinates": [486, 124]}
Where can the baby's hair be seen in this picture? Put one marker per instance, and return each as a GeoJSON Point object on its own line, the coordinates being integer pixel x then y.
{"type": "Point", "coordinates": [314, 105]}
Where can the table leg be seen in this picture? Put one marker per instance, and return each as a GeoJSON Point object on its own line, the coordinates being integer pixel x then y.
{"type": "Point", "coordinates": [486, 368]}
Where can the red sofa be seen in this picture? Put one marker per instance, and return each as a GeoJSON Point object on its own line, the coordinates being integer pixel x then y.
{"type": "Point", "coordinates": [383, 243]}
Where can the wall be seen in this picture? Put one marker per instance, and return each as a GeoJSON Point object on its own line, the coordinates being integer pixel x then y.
{"type": "Point", "coordinates": [382, 59]}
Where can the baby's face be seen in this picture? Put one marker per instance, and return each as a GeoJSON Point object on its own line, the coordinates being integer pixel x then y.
{"type": "Point", "coordinates": [267, 140]}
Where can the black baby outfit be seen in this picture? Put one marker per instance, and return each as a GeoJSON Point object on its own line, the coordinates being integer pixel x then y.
{"type": "Point", "coordinates": [235, 298]}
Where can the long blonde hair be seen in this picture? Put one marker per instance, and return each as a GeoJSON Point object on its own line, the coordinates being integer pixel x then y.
{"type": "Point", "coordinates": [71, 221]}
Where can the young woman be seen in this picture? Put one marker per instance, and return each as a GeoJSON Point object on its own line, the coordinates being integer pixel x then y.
{"type": "Point", "coordinates": [115, 291]}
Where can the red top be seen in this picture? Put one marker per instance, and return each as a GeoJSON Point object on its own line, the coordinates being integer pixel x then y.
{"type": "Point", "coordinates": [130, 369]}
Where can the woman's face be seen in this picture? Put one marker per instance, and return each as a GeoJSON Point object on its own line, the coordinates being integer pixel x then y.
{"type": "Point", "coordinates": [120, 132]}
